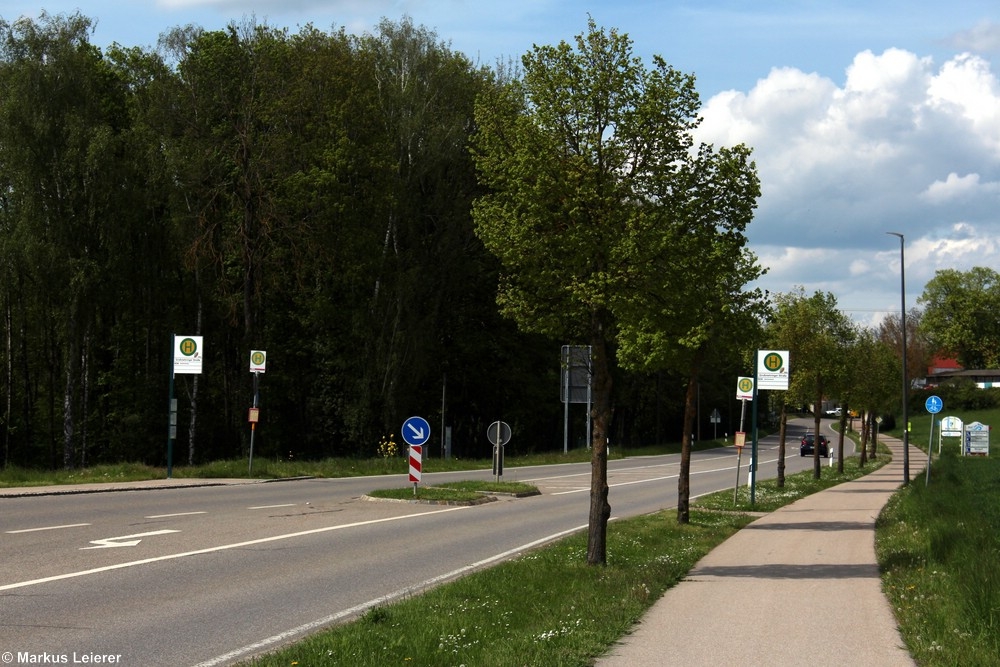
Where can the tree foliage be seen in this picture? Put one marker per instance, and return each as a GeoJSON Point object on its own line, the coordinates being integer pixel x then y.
{"type": "Point", "coordinates": [960, 315]}
{"type": "Point", "coordinates": [818, 337]}
{"type": "Point", "coordinates": [604, 214]}
{"type": "Point", "coordinates": [311, 194]}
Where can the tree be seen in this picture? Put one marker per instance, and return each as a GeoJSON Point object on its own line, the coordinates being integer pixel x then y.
{"type": "Point", "coordinates": [598, 208]}
{"type": "Point", "coordinates": [874, 375]}
{"type": "Point", "coordinates": [960, 315]}
{"type": "Point", "coordinates": [61, 119]}
{"type": "Point", "coordinates": [817, 336]}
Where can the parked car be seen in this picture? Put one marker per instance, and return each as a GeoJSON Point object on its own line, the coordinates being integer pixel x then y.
{"type": "Point", "coordinates": [808, 442]}
{"type": "Point", "coordinates": [835, 412]}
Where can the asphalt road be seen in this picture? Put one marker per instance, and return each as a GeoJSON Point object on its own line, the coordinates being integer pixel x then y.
{"type": "Point", "coordinates": [211, 575]}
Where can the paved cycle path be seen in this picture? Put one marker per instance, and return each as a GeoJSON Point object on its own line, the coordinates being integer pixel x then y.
{"type": "Point", "coordinates": [799, 586]}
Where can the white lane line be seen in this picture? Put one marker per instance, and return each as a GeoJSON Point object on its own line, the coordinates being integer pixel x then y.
{"type": "Point", "coordinates": [404, 592]}
{"type": "Point", "coordinates": [656, 479]}
{"type": "Point", "coordinates": [35, 530]}
{"type": "Point", "coordinates": [221, 547]}
{"type": "Point", "coordinates": [170, 516]}
{"type": "Point", "coordinates": [270, 507]}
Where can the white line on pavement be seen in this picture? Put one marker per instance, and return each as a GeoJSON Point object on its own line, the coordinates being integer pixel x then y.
{"type": "Point", "coordinates": [35, 530]}
{"type": "Point", "coordinates": [221, 547]}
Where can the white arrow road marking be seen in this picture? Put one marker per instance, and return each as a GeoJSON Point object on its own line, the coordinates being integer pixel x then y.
{"type": "Point", "coordinates": [418, 432]}
{"type": "Point", "coordinates": [223, 547]}
{"type": "Point", "coordinates": [108, 542]}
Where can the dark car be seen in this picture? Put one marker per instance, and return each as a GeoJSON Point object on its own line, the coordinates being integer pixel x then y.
{"type": "Point", "coordinates": [808, 442]}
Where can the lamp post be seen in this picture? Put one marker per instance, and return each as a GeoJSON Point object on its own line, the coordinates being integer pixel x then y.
{"type": "Point", "coordinates": [902, 326]}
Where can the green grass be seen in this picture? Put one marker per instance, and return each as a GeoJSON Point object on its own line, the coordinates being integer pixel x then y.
{"type": "Point", "coordinates": [920, 427]}
{"type": "Point", "coordinates": [547, 607]}
{"type": "Point", "coordinates": [456, 492]}
{"type": "Point", "coordinates": [939, 550]}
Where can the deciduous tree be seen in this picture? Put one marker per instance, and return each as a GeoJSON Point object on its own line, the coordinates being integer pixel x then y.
{"type": "Point", "coordinates": [604, 214]}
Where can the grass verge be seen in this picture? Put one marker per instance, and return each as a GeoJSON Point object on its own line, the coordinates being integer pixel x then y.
{"type": "Point", "coordinates": [270, 468]}
{"type": "Point", "coordinates": [938, 546]}
{"type": "Point", "coordinates": [547, 607]}
{"type": "Point", "coordinates": [456, 492]}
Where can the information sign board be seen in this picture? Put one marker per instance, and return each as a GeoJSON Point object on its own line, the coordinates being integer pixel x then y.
{"type": "Point", "coordinates": [188, 354]}
{"type": "Point", "coordinates": [772, 369]}
{"type": "Point", "coordinates": [744, 389]}
{"type": "Point", "coordinates": [977, 439]}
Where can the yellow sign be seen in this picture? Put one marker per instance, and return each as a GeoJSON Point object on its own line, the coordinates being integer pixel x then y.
{"type": "Point", "coordinates": [744, 389]}
{"type": "Point", "coordinates": [188, 354]}
{"type": "Point", "coordinates": [258, 361]}
{"type": "Point", "coordinates": [772, 369]}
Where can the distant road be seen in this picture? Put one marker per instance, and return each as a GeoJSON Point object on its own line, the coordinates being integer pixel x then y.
{"type": "Point", "coordinates": [211, 575]}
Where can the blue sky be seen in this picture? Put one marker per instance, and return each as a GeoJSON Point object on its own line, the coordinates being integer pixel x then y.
{"type": "Point", "coordinates": [865, 116]}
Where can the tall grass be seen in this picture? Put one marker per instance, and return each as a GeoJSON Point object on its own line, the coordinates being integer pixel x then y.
{"type": "Point", "coordinates": [939, 550]}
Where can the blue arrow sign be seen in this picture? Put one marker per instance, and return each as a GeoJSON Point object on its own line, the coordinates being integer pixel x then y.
{"type": "Point", "coordinates": [933, 404]}
{"type": "Point", "coordinates": [416, 431]}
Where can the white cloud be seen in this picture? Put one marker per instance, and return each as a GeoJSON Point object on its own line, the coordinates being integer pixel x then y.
{"type": "Point", "coordinates": [983, 38]}
{"type": "Point", "coordinates": [957, 187]}
{"type": "Point", "coordinates": [901, 145]}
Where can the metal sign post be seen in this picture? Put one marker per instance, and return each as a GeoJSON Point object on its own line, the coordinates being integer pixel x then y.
{"type": "Point", "coordinates": [498, 434]}
{"type": "Point", "coordinates": [771, 370]}
{"type": "Point", "coordinates": [258, 365]}
{"type": "Point", "coordinates": [416, 432]}
{"type": "Point", "coordinates": [575, 386]}
{"type": "Point", "coordinates": [187, 358]}
{"type": "Point", "coordinates": [933, 405]}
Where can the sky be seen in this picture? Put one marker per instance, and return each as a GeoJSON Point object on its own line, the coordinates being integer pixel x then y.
{"type": "Point", "coordinates": [865, 117]}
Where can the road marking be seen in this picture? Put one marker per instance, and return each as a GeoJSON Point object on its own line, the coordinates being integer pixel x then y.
{"type": "Point", "coordinates": [364, 606]}
{"type": "Point", "coordinates": [109, 542]}
{"type": "Point", "coordinates": [270, 507]}
{"type": "Point", "coordinates": [170, 516]}
{"type": "Point", "coordinates": [221, 547]}
{"type": "Point", "coordinates": [35, 530]}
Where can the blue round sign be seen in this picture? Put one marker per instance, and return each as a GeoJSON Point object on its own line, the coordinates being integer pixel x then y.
{"type": "Point", "coordinates": [416, 431]}
{"type": "Point", "coordinates": [933, 404]}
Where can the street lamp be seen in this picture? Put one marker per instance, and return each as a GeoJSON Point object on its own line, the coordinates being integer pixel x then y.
{"type": "Point", "coordinates": [902, 326]}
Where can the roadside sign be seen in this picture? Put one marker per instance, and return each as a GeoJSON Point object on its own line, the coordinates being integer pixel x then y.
{"type": "Point", "coordinates": [744, 389]}
{"type": "Point", "coordinates": [933, 404]}
{"type": "Point", "coordinates": [741, 440]}
{"type": "Point", "coordinates": [498, 433]}
{"type": "Point", "coordinates": [977, 439]}
{"type": "Point", "coordinates": [951, 427]}
{"type": "Point", "coordinates": [258, 361]}
{"type": "Point", "coordinates": [416, 431]}
{"type": "Point", "coordinates": [416, 463]}
{"type": "Point", "coordinates": [772, 369]}
{"type": "Point", "coordinates": [253, 416]}
{"type": "Point", "coordinates": [188, 354]}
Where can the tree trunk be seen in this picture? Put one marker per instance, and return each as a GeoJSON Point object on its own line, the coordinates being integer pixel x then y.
{"type": "Point", "coordinates": [840, 449]}
{"type": "Point", "coordinates": [866, 435]}
{"type": "Point", "coordinates": [816, 431]}
{"type": "Point", "coordinates": [600, 509]}
{"type": "Point", "coordinates": [782, 427]}
{"type": "Point", "coordinates": [684, 476]}
{"type": "Point", "coordinates": [194, 391]}
{"type": "Point", "coordinates": [68, 394]}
